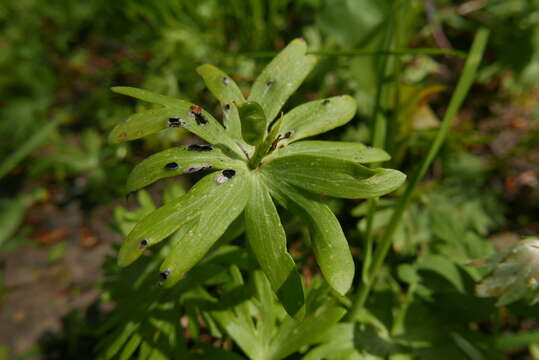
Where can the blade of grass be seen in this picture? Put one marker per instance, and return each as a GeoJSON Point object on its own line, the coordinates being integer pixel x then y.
{"type": "Point", "coordinates": [359, 52]}
{"type": "Point", "coordinates": [511, 341]}
{"type": "Point", "coordinates": [463, 87]}
{"type": "Point", "coordinates": [25, 149]}
{"type": "Point", "coordinates": [378, 135]}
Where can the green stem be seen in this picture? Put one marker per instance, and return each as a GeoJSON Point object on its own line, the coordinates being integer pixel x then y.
{"type": "Point", "coordinates": [358, 52]}
{"type": "Point", "coordinates": [463, 87]}
{"type": "Point", "coordinates": [511, 341]}
{"type": "Point", "coordinates": [378, 136]}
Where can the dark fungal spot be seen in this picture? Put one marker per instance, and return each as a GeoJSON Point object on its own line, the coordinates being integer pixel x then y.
{"type": "Point", "coordinates": [164, 275]}
{"type": "Point", "coordinates": [269, 83]}
{"type": "Point", "coordinates": [200, 119]}
{"type": "Point", "coordinates": [288, 134]}
{"type": "Point", "coordinates": [171, 166]}
{"type": "Point", "coordinates": [175, 122]}
{"type": "Point", "coordinates": [196, 112]}
{"type": "Point", "coordinates": [325, 102]}
{"type": "Point", "coordinates": [224, 176]}
{"type": "Point", "coordinates": [228, 173]}
{"type": "Point", "coordinates": [143, 243]}
{"type": "Point", "coordinates": [226, 107]}
{"type": "Point", "coordinates": [197, 147]}
{"type": "Point", "coordinates": [225, 80]}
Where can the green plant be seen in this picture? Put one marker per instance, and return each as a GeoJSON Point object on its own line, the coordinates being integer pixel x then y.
{"type": "Point", "coordinates": [259, 158]}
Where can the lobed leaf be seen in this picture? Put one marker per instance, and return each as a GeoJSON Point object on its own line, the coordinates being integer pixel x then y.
{"type": "Point", "coordinates": [267, 239]}
{"type": "Point", "coordinates": [334, 177]}
{"type": "Point", "coordinates": [328, 241]}
{"type": "Point", "coordinates": [222, 203]}
{"type": "Point", "coordinates": [316, 117]}
{"type": "Point", "coordinates": [183, 211]}
{"type": "Point", "coordinates": [281, 77]}
{"type": "Point", "coordinates": [180, 113]}
{"type": "Point", "coordinates": [228, 93]}
{"type": "Point", "coordinates": [349, 151]}
{"type": "Point", "coordinates": [186, 160]}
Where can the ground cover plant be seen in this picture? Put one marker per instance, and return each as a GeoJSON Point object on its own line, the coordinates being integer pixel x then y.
{"type": "Point", "coordinates": [269, 179]}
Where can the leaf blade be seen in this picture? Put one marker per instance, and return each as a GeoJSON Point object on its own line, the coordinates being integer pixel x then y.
{"type": "Point", "coordinates": [185, 114]}
{"type": "Point", "coordinates": [349, 151]}
{"type": "Point", "coordinates": [281, 77]}
{"type": "Point", "coordinates": [334, 177]}
{"type": "Point", "coordinates": [162, 222]}
{"type": "Point", "coordinates": [187, 161]}
{"type": "Point", "coordinates": [318, 116]}
{"type": "Point", "coordinates": [231, 196]}
{"type": "Point", "coordinates": [267, 239]}
{"type": "Point", "coordinates": [330, 246]}
{"type": "Point", "coordinates": [227, 92]}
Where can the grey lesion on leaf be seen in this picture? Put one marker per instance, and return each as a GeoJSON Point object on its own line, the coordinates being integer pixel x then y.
{"type": "Point", "coordinates": [197, 167]}
{"type": "Point", "coordinates": [225, 175]}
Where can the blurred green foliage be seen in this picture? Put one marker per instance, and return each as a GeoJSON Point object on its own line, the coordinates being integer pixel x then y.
{"type": "Point", "coordinates": [58, 59]}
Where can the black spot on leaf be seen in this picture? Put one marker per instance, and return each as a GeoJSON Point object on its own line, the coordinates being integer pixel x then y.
{"type": "Point", "coordinates": [228, 173]}
{"type": "Point", "coordinates": [197, 147]}
{"type": "Point", "coordinates": [175, 122]}
{"type": "Point", "coordinates": [171, 166]}
{"type": "Point", "coordinates": [164, 275]}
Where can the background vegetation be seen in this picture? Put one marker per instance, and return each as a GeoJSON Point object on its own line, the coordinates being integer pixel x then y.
{"type": "Point", "coordinates": [61, 206]}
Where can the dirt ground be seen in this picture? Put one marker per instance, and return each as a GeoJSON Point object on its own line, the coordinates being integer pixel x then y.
{"type": "Point", "coordinates": [41, 290]}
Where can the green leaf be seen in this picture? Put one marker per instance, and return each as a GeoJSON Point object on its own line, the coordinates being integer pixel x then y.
{"type": "Point", "coordinates": [148, 96]}
{"type": "Point", "coordinates": [267, 239]}
{"type": "Point", "coordinates": [329, 243]}
{"type": "Point", "coordinates": [281, 77]}
{"type": "Point", "coordinates": [131, 346]}
{"type": "Point", "coordinates": [228, 93]}
{"type": "Point", "coordinates": [334, 177]}
{"type": "Point", "coordinates": [181, 114]}
{"type": "Point", "coordinates": [253, 122]}
{"type": "Point", "coordinates": [349, 151]}
{"type": "Point", "coordinates": [162, 222]}
{"type": "Point", "coordinates": [222, 203]}
{"type": "Point", "coordinates": [316, 117]}
{"type": "Point", "coordinates": [293, 334]}
{"type": "Point", "coordinates": [177, 161]}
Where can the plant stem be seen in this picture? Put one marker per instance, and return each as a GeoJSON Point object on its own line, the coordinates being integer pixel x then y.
{"type": "Point", "coordinates": [462, 89]}
{"type": "Point", "coordinates": [378, 137]}
{"type": "Point", "coordinates": [358, 52]}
